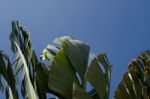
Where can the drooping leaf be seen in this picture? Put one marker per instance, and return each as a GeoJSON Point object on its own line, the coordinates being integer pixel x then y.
{"type": "Point", "coordinates": [78, 54]}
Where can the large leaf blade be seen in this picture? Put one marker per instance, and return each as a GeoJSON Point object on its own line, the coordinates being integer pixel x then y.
{"type": "Point", "coordinates": [61, 76]}
{"type": "Point", "coordinates": [78, 53]}
{"type": "Point", "coordinates": [97, 77]}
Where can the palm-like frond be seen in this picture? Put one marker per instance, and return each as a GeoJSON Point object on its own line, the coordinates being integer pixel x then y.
{"type": "Point", "coordinates": [136, 81]}
{"type": "Point", "coordinates": [21, 37]}
{"type": "Point", "coordinates": [29, 90]}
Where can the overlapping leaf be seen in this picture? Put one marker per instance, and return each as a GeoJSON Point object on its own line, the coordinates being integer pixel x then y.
{"type": "Point", "coordinates": [100, 79]}
{"type": "Point", "coordinates": [61, 76]}
{"type": "Point", "coordinates": [78, 54]}
{"type": "Point", "coordinates": [42, 72]}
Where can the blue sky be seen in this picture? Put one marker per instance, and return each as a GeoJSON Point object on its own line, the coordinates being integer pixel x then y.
{"type": "Point", "coordinates": [121, 28]}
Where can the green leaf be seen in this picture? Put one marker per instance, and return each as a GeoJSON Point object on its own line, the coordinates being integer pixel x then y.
{"type": "Point", "coordinates": [97, 77]}
{"type": "Point", "coordinates": [30, 93]}
{"type": "Point", "coordinates": [22, 38]}
{"type": "Point", "coordinates": [42, 72]}
{"type": "Point", "coordinates": [61, 76]}
{"type": "Point", "coordinates": [78, 54]}
{"type": "Point", "coordinates": [102, 59]}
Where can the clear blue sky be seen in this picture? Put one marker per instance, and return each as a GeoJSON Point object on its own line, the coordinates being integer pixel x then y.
{"type": "Point", "coordinates": [119, 27]}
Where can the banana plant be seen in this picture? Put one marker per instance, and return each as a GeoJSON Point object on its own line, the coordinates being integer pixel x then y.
{"type": "Point", "coordinates": [70, 71]}
{"type": "Point", "coordinates": [136, 81]}
{"type": "Point", "coordinates": [66, 76]}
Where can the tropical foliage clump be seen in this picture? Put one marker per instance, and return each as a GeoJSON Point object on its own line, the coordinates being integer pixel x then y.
{"type": "Point", "coordinates": [68, 73]}
{"type": "Point", "coordinates": [66, 76]}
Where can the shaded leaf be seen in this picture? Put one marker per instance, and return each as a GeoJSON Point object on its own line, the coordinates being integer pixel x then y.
{"type": "Point", "coordinates": [42, 72]}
